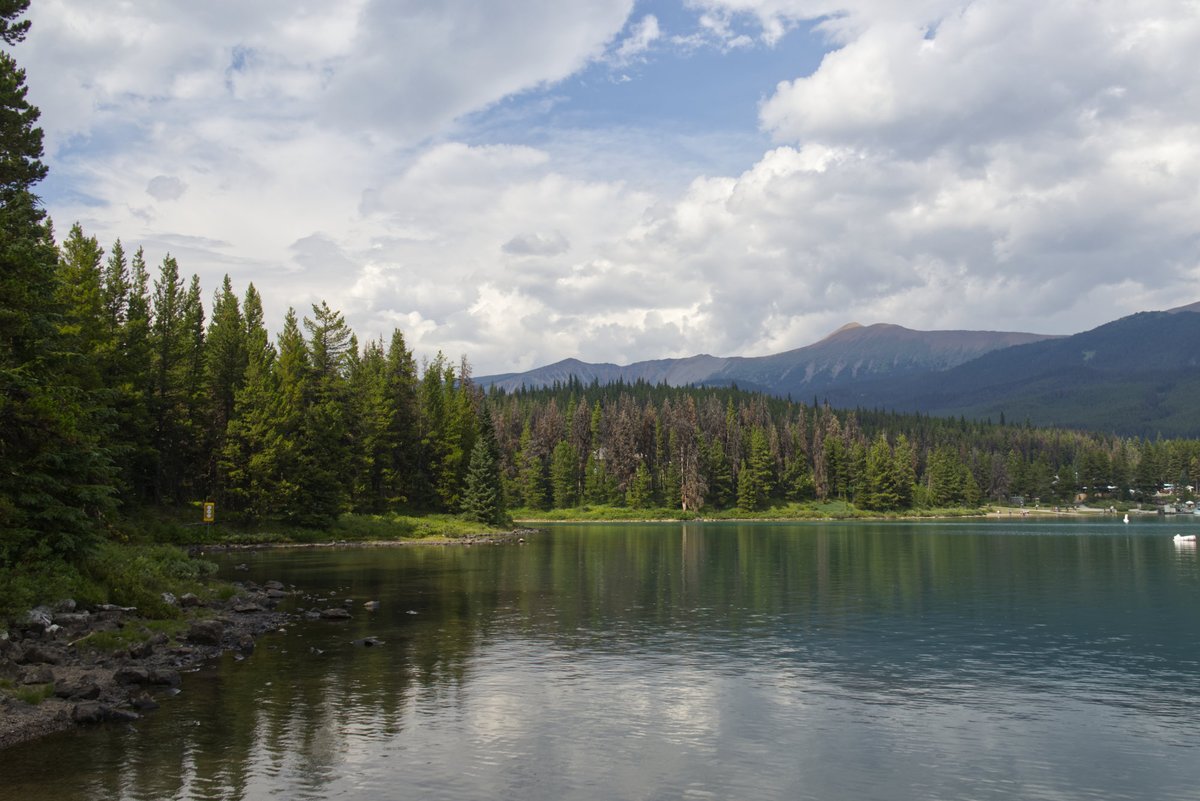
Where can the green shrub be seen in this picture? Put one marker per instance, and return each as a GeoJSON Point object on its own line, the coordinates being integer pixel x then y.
{"type": "Point", "coordinates": [34, 694]}
{"type": "Point", "coordinates": [139, 575]}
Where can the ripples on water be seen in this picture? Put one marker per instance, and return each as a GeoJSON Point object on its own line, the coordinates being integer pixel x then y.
{"type": "Point", "coordinates": [756, 662]}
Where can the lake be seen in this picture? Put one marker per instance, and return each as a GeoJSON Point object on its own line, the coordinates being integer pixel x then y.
{"type": "Point", "coordinates": [1049, 659]}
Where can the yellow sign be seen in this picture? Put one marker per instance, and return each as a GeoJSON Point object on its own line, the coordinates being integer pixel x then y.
{"type": "Point", "coordinates": [210, 511]}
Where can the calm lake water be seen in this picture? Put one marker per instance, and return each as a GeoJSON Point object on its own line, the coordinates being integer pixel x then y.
{"type": "Point", "coordinates": [997, 660]}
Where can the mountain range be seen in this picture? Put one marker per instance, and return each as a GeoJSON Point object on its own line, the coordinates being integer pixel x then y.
{"type": "Point", "coordinates": [1139, 375]}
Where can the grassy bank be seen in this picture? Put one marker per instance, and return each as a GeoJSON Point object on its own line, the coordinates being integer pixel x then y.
{"type": "Point", "coordinates": [116, 573]}
{"type": "Point", "coordinates": [148, 556]}
{"type": "Point", "coordinates": [179, 527]}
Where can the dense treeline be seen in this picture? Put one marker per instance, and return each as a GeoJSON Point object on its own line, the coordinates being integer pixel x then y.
{"type": "Point", "coordinates": [120, 389]}
{"type": "Point", "coordinates": [641, 445]}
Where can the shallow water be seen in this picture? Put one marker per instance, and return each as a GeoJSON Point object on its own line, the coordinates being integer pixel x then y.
{"type": "Point", "coordinates": [997, 660]}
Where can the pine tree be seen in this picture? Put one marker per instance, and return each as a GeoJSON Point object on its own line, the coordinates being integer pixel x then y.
{"type": "Point", "coordinates": [564, 479]}
{"type": "Point", "coordinates": [325, 445]}
{"type": "Point", "coordinates": [372, 416]}
{"type": "Point", "coordinates": [883, 491]}
{"type": "Point", "coordinates": [56, 485]}
{"type": "Point", "coordinates": [292, 472]}
{"type": "Point", "coordinates": [401, 476]}
{"type": "Point", "coordinates": [225, 362]}
{"type": "Point", "coordinates": [640, 494]}
{"type": "Point", "coordinates": [249, 462]}
{"type": "Point", "coordinates": [531, 479]}
{"type": "Point", "coordinates": [132, 383]}
{"type": "Point", "coordinates": [754, 478]}
{"type": "Point", "coordinates": [483, 494]}
{"type": "Point", "coordinates": [81, 297]}
{"type": "Point", "coordinates": [720, 477]}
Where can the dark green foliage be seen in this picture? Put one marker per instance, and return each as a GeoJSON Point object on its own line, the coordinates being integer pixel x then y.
{"type": "Point", "coordinates": [640, 494]}
{"type": "Point", "coordinates": [755, 482]}
{"type": "Point", "coordinates": [483, 492]}
{"type": "Point", "coordinates": [56, 486]}
{"type": "Point", "coordinates": [225, 364]}
{"type": "Point", "coordinates": [564, 475]}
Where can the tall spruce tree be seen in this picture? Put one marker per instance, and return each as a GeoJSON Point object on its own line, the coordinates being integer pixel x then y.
{"type": "Point", "coordinates": [326, 442]}
{"type": "Point", "coordinates": [483, 490]}
{"type": "Point", "coordinates": [225, 362]}
{"type": "Point", "coordinates": [56, 483]}
{"type": "Point", "coordinates": [248, 464]}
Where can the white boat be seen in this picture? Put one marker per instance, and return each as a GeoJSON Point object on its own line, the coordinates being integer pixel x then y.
{"type": "Point", "coordinates": [1185, 537]}
{"type": "Point", "coordinates": [1126, 518]}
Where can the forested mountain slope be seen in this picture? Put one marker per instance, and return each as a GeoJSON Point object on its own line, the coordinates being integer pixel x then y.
{"type": "Point", "coordinates": [1139, 375]}
{"type": "Point", "coordinates": [852, 353]}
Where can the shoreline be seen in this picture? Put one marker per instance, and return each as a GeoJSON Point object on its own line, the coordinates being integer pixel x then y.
{"type": "Point", "coordinates": [991, 513]}
{"type": "Point", "coordinates": [51, 659]}
{"type": "Point", "coordinates": [517, 535]}
{"type": "Point", "coordinates": [71, 682]}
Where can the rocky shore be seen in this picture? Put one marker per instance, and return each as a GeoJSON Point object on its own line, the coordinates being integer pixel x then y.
{"type": "Point", "coordinates": [58, 666]}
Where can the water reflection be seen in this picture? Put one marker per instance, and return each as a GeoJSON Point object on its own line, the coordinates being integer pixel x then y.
{"type": "Point", "coordinates": [754, 661]}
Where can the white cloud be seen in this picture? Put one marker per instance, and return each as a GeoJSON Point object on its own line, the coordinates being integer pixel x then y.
{"type": "Point", "coordinates": [644, 34]}
{"type": "Point", "coordinates": [991, 164]}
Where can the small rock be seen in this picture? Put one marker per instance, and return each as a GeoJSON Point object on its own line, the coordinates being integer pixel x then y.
{"type": "Point", "coordinates": [39, 674]}
{"type": "Point", "coordinates": [65, 606]}
{"type": "Point", "coordinates": [38, 619]}
{"type": "Point", "coordinates": [371, 605]}
{"type": "Point", "coordinates": [164, 677]}
{"type": "Point", "coordinates": [368, 642]}
{"type": "Point", "coordinates": [276, 594]}
{"type": "Point", "coordinates": [247, 608]}
{"type": "Point", "coordinates": [242, 566]}
{"type": "Point", "coordinates": [143, 702]}
{"type": "Point", "coordinates": [132, 675]}
{"type": "Point", "coordinates": [72, 619]}
{"type": "Point", "coordinates": [189, 600]}
{"type": "Point", "coordinates": [246, 644]}
{"type": "Point", "coordinates": [274, 585]}
{"type": "Point", "coordinates": [89, 712]}
{"type": "Point", "coordinates": [206, 632]}
{"type": "Point", "coordinates": [122, 715]}
{"type": "Point", "coordinates": [169, 599]}
{"type": "Point", "coordinates": [335, 614]}
{"type": "Point", "coordinates": [312, 614]}
{"type": "Point", "coordinates": [38, 654]}
{"type": "Point", "coordinates": [82, 689]}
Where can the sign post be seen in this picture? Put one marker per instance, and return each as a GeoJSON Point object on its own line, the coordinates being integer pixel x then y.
{"type": "Point", "coordinates": [210, 512]}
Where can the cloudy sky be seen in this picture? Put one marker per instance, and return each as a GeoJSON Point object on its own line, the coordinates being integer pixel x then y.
{"type": "Point", "coordinates": [616, 180]}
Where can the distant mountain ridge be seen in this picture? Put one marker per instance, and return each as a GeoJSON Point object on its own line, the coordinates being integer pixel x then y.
{"type": "Point", "coordinates": [853, 352]}
{"type": "Point", "coordinates": [1138, 375]}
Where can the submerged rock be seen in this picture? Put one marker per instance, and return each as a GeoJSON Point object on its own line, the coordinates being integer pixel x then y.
{"type": "Point", "coordinates": [336, 613]}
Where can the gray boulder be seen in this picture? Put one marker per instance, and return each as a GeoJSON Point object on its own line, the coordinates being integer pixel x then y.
{"type": "Point", "coordinates": [206, 632]}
